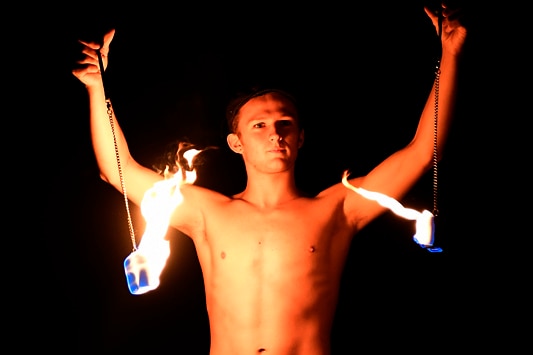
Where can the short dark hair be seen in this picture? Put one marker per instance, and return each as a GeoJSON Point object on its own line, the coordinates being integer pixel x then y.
{"type": "Point", "coordinates": [243, 96]}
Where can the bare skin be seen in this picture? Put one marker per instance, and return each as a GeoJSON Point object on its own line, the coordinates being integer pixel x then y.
{"type": "Point", "coordinates": [271, 257]}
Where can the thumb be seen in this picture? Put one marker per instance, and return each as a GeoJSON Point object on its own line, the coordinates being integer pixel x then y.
{"type": "Point", "coordinates": [108, 37]}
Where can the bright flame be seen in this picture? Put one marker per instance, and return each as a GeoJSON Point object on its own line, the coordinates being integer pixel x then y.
{"type": "Point", "coordinates": [425, 227]}
{"type": "Point", "coordinates": [144, 266]}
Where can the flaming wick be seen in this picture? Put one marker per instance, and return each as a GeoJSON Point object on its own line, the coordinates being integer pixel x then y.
{"type": "Point", "coordinates": [424, 235]}
{"type": "Point", "coordinates": [144, 266]}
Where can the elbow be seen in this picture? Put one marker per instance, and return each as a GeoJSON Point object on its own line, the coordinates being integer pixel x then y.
{"type": "Point", "coordinates": [424, 154]}
{"type": "Point", "coordinates": [428, 163]}
{"type": "Point", "coordinates": [431, 154]}
{"type": "Point", "coordinates": [104, 177]}
{"type": "Point", "coordinates": [114, 181]}
{"type": "Point", "coordinates": [431, 159]}
{"type": "Point", "coordinates": [428, 158]}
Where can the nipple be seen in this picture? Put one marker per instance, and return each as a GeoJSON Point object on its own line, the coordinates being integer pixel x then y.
{"type": "Point", "coordinates": [261, 350]}
{"type": "Point", "coordinates": [311, 249]}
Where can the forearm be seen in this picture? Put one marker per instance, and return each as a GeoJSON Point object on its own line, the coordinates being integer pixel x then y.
{"type": "Point", "coordinates": [135, 178]}
{"type": "Point", "coordinates": [103, 136]}
{"type": "Point", "coordinates": [445, 90]}
{"type": "Point", "coordinates": [447, 96]}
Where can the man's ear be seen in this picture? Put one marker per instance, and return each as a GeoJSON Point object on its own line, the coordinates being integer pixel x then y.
{"type": "Point", "coordinates": [301, 139]}
{"type": "Point", "coordinates": [234, 143]}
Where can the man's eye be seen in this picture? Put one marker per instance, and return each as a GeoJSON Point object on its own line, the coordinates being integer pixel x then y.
{"type": "Point", "coordinates": [259, 125]}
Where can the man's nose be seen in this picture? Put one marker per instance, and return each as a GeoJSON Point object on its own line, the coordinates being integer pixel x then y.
{"type": "Point", "coordinates": [274, 136]}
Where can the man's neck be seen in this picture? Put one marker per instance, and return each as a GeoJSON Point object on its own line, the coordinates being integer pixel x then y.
{"type": "Point", "coordinates": [270, 190]}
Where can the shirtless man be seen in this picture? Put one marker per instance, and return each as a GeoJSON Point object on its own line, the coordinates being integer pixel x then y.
{"type": "Point", "coordinates": [271, 256]}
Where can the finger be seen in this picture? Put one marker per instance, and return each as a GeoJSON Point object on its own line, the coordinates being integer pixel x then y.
{"type": "Point", "coordinates": [85, 70]}
{"type": "Point", "coordinates": [91, 45]}
{"type": "Point", "coordinates": [108, 37]}
{"type": "Point", "coordinates": [433, 16]}
{"type": "Point", "coordinates": [88, 61]}
{"type": "Point", "coordinates": [90, 53]}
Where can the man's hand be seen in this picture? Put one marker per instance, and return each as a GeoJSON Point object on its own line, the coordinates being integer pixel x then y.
{"type": "Point", "coordinates": [88, 71]}
{"type": "Point", "coordinates": [453, 32]}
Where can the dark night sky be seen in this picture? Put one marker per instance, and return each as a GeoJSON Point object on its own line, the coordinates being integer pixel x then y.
{"type": "Point", "coordinates": [361, 74]}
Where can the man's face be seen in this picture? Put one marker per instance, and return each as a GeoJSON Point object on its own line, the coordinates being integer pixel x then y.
{"type": "Point", "coordinates": [268, 135]}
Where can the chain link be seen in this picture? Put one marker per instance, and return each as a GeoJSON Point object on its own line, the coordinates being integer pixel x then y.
{"type": "Point", "coordinates": [435, 150]}
{"type": "Point", "coordinates": [122, 184]}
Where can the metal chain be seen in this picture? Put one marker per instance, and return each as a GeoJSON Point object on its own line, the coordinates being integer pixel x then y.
{"type": "Point", "coordinates": [122, 184]}
{"type": "Point", "coordinates": [435, 152]}
{"type": "Point", "coordinates": [436, 119]}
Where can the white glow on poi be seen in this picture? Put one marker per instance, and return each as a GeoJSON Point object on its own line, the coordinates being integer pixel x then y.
{"type": "Point", "coordinates": [144, 266]}
{"type": "Point", "coordinates": [425, 226]}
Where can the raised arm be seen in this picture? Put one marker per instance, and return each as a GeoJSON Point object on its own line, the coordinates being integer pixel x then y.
{"type": "Point", "coordinates": [137, 179]}
{"type": "Point", "coordinates": [397, 174]}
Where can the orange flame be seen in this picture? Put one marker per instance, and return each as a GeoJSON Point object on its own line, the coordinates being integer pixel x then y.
{"type": "Point", "coordinates": [424, 234]}
{"type": "Point", "coordinates": [144, 266]}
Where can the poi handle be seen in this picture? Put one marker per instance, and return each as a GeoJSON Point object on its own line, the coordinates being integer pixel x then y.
{"type": "Point", "coordinates": [102, 69]}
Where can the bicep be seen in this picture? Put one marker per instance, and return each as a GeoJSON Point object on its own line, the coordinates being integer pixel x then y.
{"type": "Point", "coordinates": [397, 174]}
{"type": "Point", "coordinates": [136, 180]}
{"type": "Point", "coordinates": [382, 187]}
